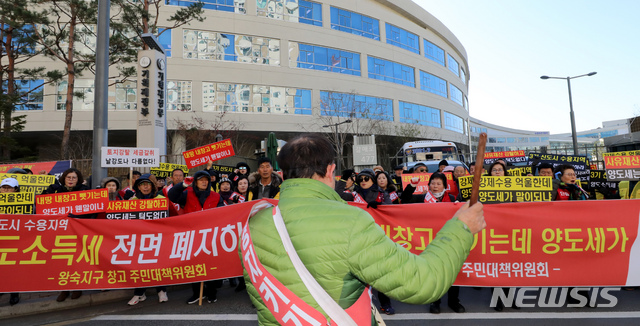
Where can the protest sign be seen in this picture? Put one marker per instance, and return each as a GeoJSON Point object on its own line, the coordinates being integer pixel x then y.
{"type": "Point", "coordinates": [126, 157]}
{"type": "Point", "coordinates": [223, 169]}
{"type": "Point", "coordinates": [164, 169]}
{"type": "Point", "coordinates": [76, 202]}
{"type": "Point", "coordinates": [17, 203]}
{"type": "Point", "coordinates": [622, 166]}
{"type": "Point", "coordinates": [34, 183]}
{"type": "Point", "coordinates": [507, 156]}
{"type": "Point", "coordinates": [599, 180]}
{"type": "Point", "coordinates": [519, 171]}
{"type": "Point", "coordinates": [54, 167]}
{"type": "Point", "coordinates": [580, 164]}
{"type": "Point", "coordinates": [524, 245]}
{"type": "Point", "coordinates": [141, 209]}
{"type": "Point", "coordinates": [508, 189]}
{"type": "Point", "coordinates": [211, 152]}
{"type": "Point", "coordinates": [423, 184]}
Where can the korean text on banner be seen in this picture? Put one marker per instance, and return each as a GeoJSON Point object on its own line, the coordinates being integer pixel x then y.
{"type": "Point", "coordinates": [525, 244]}
{"type": "Point", "coordinates": [142, 209]}
{"type": "Point", "coordinates": [17, 203]}
{"type": "Point", "coordinates": [622, 166]}
{"type": "Point", "coordinates": [508, 189]}
{"type": "Point", "coordinates": [423, 184]}
{"type": "Point", "coordinates": [212, 152]}
{"type": "Point", "coordinates": [34, 183]}
{"type": "Point", "coordinates": [77, 202]}
{"type": "Point", "coordinates": [580, 164]}
{"type": "Point", "coordinates": [164, 169]}
{"type": "Point", "coordinates": [508, 156]}
{"type": "Point", "coordinates": [114, 157]}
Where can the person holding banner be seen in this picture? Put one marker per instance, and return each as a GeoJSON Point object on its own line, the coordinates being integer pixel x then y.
{"type": "Point", "coordinates": [145, 188]}
{"type": "Point", "coordinates": [226, 191]}
{"type": "Point", "coordinates": [241, 192]}
{"type": "Point", "coordinates": [11, 185]}
{"type": "Point", "coordinates": [383, 181]}
{"type": "Point", "coordinates": [564, 185]}
{"type": "Point", "coordinates": [193, 198]}
{"type": "Point", "coordinates": [177, 176]}
{"type": "Point", "coordinates": [113, 186]}
{"type": "Point", "coordinates": [70, 180]}
{"type": "Point", "coordinates": [342, 247]}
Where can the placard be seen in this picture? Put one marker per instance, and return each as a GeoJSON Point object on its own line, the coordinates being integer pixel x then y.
{"type": "Point", "coordinates": [75, 202]}
{"type": "Point", "coordinates": [211, 152]}
{"type": "Point", "coordinates": [508, 189]}
{"type": "Point", "coordinates": [164, 169]}
{"type": "Point", "coordinates": [622, 166]}
{"type": "Point", "coordinates": [17, 203]}
{"type": "Point", "coordinates": [34, 183]}
{"type": "Point", "coordinates": [507, 156]}
{"type": "Point", "coordinates": [599, 180]}
{"type": "Point", "coordinates": [125, 157]}
{"type": "Point", "coordinates": [223, 169]}
{"type": "Point", "coordinates": [423, 184]}
{"type": "Point", "coordinates": [139, 209]}
{"type": "Point", "coordinates": [580, 164]}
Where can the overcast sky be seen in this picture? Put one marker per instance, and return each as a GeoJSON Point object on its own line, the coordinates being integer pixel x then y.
{"type": "Point", "coordinates": [511, 43]}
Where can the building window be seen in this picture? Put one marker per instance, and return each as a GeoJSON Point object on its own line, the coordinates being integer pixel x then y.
{"type": "Point", "coordinates": [534, 139]}
{"type": "Point", "coordinates": [84, 95]}
{"type": "Point", "coordinates": [456, 94]}
{"type": "Point", "coordinates": [466, 103]}
{"type": "Point", "coordinates": [203, 45]}
{"type": "Point", "coordinates": [419, 114]}
{"type": "Point", "coordinates": [324, 59]}
{"type": "Point", "coordinates": [355, 106]}
{"type": "Point", "coordinates": [310, 13]}
{"type": "Point", "coordinates": [237, 6]}
{"type": "Point", "coordinates": [164, 37]}
{"type": "Point", "coordinates": [391, 71]}
{"type": "Point", "coordinates": [433, 52]}
{"type": "Point", "coordinates": [222, 97]}
{"type": "Point", "coordinates": [433, 84]}
{"type": "Point", "coordinates": [453, 65]}
{"type": "Point", "coordinates": [31, 93]}
{"type": "Point", "coordinates": [122, 96]}
{"type": "Point", "coordinates": [402, 38]}
{"type": "Point", "coordinates": [354, 23]}
{"type": "Point", "coordinates": [305, 12]}
{"type": "Point", "coordinates": [454, 123]}
{"type": "Point", "coordinates": [179, 94]}
{"type": "Point", "coordinates": [463, 76]}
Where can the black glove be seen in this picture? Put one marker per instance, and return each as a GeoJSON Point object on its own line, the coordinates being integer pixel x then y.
{"type": "Point", "coordinates": [346, 174]}
{"type": "Point", "coordinates": [374, 204]}
{"type": "Point", "coordinates": [235, 198]}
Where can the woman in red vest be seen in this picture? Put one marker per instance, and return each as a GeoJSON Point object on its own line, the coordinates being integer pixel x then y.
{"type": "Point", "coordinates": [195, 198]}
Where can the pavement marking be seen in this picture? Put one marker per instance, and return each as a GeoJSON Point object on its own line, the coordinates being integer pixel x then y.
{"type": "Point", "coordinates": [416, 316]}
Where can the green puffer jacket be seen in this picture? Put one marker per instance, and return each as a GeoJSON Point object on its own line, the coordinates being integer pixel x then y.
{"type": "Point", "coordinates": [344, 249]}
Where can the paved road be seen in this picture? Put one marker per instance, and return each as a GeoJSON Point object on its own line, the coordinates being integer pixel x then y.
{"type": "Point", "coordinates": [235, 309]}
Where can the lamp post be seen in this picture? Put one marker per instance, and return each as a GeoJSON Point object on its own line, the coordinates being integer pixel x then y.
{"type": "Point", "coordinates": [338, 144]}
{"type": "Point", "coordinates": [574, 136]}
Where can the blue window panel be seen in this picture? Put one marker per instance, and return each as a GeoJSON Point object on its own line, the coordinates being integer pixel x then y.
{"type": "Point", "coordinates": [391, 71]}
{"type": "Point", "coordinates": [433, 52]}
{"type": "Point", "coordinates": [452, 64]}
{"type": "Point", "coordinates": [456, 94]}
{"type": "Point", "coordinates": [164, 37]}
{"type": "Point", "coordinates": [229, 51]}
{"type": "Point", "coordinates": [453, 122]}
{"type": "Point", "coordinates": [355, 106]}
{"type": "Point", "coordinates": [31, 94]}
{"type": "Point", "coordinates": [419, 114]}
{"type": "Point", "coordinates": [354, 23]}
{"type": "Point", "coordinates": [328, 59]}
{"type": "Point", "coordinates": [302, 102]}
{"type": "Point", "coordinates": [402, 38]}
{"type": "Point", "coordinates": [433, 84]}
{"type": "Point", "coordinates": [310, 13]}
{"type": "Point", "coordinates": [220, 5]}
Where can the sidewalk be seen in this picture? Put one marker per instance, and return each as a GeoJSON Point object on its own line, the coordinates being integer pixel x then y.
{"type": "Point", "coordinates": [33, 303]}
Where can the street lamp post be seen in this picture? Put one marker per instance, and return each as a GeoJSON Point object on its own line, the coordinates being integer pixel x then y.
{"type": "Point", "coordinates": [338, 145]}
{"type": "Point", "coordinates": [574, 136]}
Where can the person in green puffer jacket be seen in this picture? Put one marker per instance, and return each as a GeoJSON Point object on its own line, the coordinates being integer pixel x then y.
{"type": "Point", "coordinates": [342, 246]}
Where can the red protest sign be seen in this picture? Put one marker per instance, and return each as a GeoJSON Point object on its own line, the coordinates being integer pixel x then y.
{"type": "Point", "coordinates": [504, 154]}
{"type": "Point", "coordinates": [77, 202]}
{"type": "Point", "coordinates": [211, 152]}
{"type": "Point", "coordinates": [141, 209]}
{"type": "Point", "coordinates": [423, 185]}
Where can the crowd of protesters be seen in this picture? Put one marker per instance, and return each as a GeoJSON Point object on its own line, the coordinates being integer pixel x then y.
{"type": "Point", "coordinates": [208, 189]}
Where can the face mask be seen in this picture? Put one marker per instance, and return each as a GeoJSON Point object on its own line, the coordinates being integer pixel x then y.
{"type": "Point", "coordinates": [438, 194]}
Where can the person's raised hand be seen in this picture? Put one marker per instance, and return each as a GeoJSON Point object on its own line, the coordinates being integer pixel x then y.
{"type": "Point", "coordinates": [415, 181]}
{"type": "Point", "coordinates": [472, 217]}
{"type": "Point", "coordinates": [187, 182]}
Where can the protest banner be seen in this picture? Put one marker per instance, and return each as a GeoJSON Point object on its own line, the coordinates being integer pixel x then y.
{"type": "Point", "coordinates": [54, 167]}
{"type": "Point", "coordinates": [126, 157]}
{"type": "Point", "coordinates": [519, 171]}
{"type": "Point", "coordinates": [141, 209]}
{"type": "Point", "coordinates": [580, 164]}
{"type": "Point", "coordinates": [33, 183]}
{"type": "Point", "coordinates": [17, 203]}
{"type": "Point", "coordinates": [223, 169]}
{"type": "Point", "coordinates": [507, 156]}
{"type": "Point", "coordinates": [164, 169]}
{"type": "Point", "coordinates": [423, 184]}
{"type": "Point", "coordinates": [212, 152]}
{"type": "Point", "coordinates": [76, 202]}
{"type": "Point", "coordinates": [525, 244]}
{"type": "Point", "coordinates": [599, 180]}
{"type": "Point", "coordinates": [508, 189]}
{"type": "Point", "coordinates": [622, 166]}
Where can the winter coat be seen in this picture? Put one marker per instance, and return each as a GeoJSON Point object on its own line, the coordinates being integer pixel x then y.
{"type": "Point", "coordinates": [255, 186]}
{"type": "Point", "coordinates": [374, 194]}
{"type": "Point", "coordinates": [58, 188]}
{"type": "Point", "coordinates": [344, 249]}
{"type": "Point", "coordinates": [563, 191]}
{"type": "Point", "coordinates": [408, 197]}
{"type": "Point", "coordinates": [179, 195]}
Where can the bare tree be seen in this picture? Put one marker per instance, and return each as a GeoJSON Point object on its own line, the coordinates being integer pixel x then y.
{"type": "Point", "coordinates": [198, 131]}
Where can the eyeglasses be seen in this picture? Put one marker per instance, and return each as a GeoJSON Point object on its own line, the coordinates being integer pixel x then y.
{"type": "Point", "coordinates": [420, 170]}
{"type": "Point", "coordinates": [497, 170]}
{"type": "Point", "coordinates": [364, 178]}
{"type": "Point", "coordinates": [570, 174]}
{"type": "Point", "coordinates": [70, 177]}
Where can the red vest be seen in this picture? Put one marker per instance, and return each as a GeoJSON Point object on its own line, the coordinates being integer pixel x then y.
{"type": "Point", "coordinates": [193, 204]}
{"type": "Point", "coordinates": [563, 194]}
{"type": "Point", "coordinates": [174, 209]}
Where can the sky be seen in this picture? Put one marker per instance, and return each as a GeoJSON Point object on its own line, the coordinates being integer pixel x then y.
{"type": "Point", "coordinates": [511, 43]}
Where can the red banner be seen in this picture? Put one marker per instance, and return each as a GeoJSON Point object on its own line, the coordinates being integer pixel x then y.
{"type": "Point", "coordinates": [504, 154]}
{"type": "Point", "coordinates": [80, 202]}
{"type": "Point", "coordinates": [142, 209]}
{"type": "Point", "coordinates": [525, 244]}
{"type": "Point", "coordinates": [423, 184]}
{"type": "Point", "coordinates": [211, 152]}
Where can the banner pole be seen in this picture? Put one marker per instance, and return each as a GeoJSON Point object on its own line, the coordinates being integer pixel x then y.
{"type": "Point", "coordinates": [477, 175]}
{"type": "Point", "coordinates": [201, 290]}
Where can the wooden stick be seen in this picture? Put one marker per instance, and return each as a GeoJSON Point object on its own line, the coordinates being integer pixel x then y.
{"type": "Point", "coordinates": [477, 175]}
{"type": "Point", "coordinates": [201, 290]}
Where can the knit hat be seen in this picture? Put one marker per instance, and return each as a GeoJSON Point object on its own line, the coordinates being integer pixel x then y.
{"type": "Point", "coordinates": [368, 173]}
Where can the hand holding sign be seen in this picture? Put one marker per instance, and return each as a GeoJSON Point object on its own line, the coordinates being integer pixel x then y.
{"type": "Point", "coordinates": [187, 182]}
{"type": "Point", "coordinates": [415, 181]}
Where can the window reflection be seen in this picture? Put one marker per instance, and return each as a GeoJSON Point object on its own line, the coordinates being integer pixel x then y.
{"type": "Point", "coordinates": [355, 23]}
{"type": "Point", "coordinates": [355, 106]}
{"type": "Point", "coordinates": [454, 123]}
{"type": "Point", "coordinates": [402, 38]}
{"type": "Point", "coordinates": [325, 59]}
{"type": "Point", "coordinates": [220, 97]}
{"type": "Point", "coordinates": [237, 6]}
{"type": "Point", "coordinates": [433, 84]}
{"type": "Point", "coordinates": [203, 45]}
{"type": "Point", "coordinates": [456, 94]}
{"type": "Point", "coordinates": [419, 114]}
{"type": "Point", "coordinates": [179, 95]}
{"type": "Point", "coordinates": [391, 71]}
